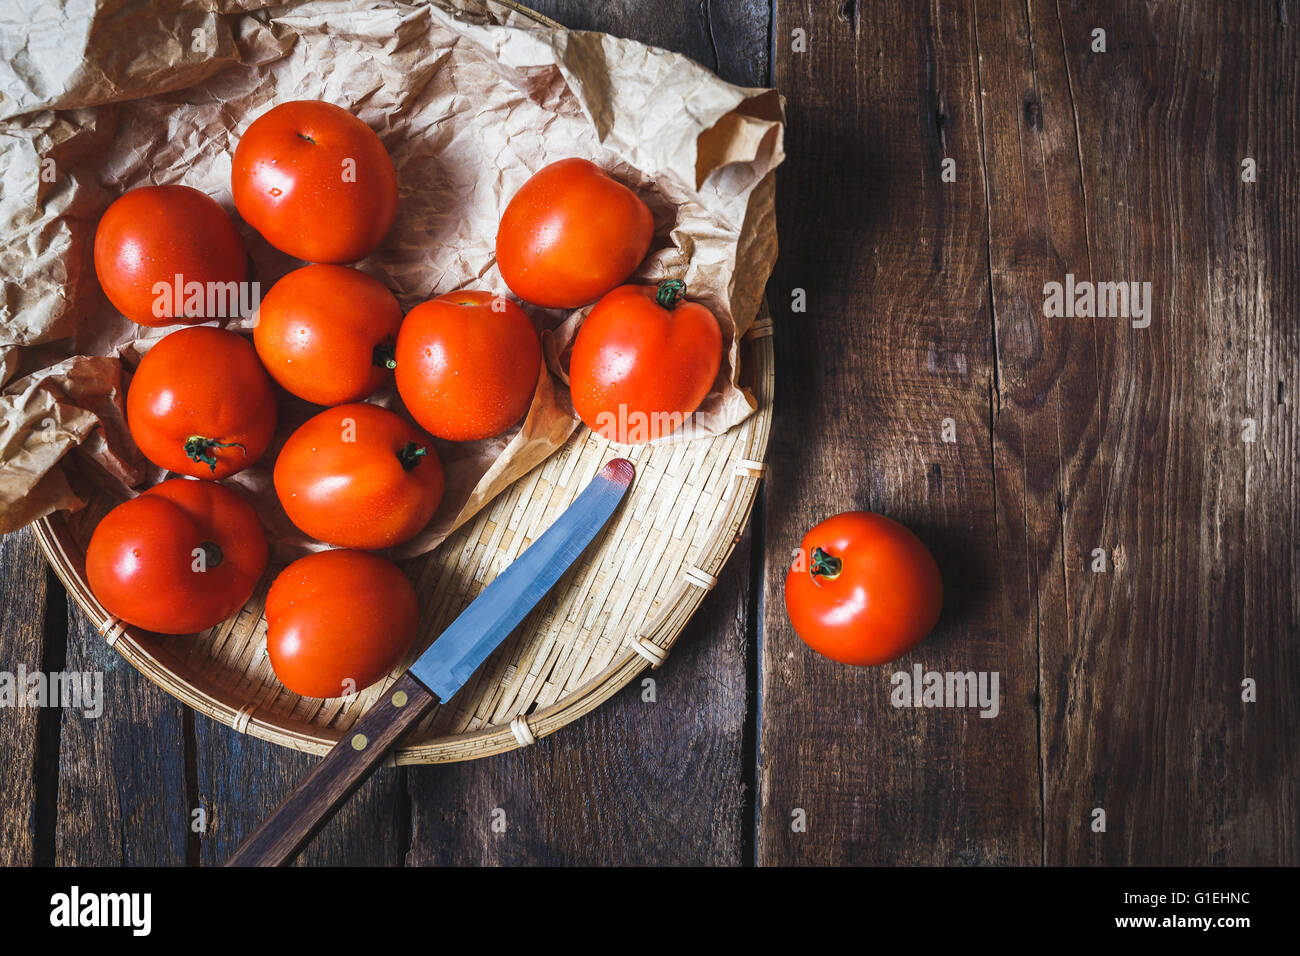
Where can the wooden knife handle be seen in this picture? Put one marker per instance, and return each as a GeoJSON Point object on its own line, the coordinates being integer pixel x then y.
{"type": "Point", "coordinates": [295, 821]}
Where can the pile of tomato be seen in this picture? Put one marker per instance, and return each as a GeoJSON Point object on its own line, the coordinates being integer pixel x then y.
{"type": "Point", "coordinates": [318, 184]}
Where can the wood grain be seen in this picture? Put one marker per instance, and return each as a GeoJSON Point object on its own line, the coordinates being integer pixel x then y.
{"type": "Point", "coordinates": [241, 780]}
{"type": "Point", "coordinates": [1044, 413]}
{"type": "Point", "coordinates": [24, 580]}
{"type": "Point", "coordinates": [302, 814]}
{"type": "Point", "coordinates": [896, 338]}
{"type": "Point", "coordinates": [122, 796]}
{"type": "Point", "coordinates": [1143, 668]}
{"type": "Point", "coordinates": [728, 36]}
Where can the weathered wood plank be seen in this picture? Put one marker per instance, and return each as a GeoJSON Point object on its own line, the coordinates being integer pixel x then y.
{"type": "Point", "coordinates": [729, 37]}
{"type": "Point", "coordinates": [1143, 713]}
{"type": "Point", "coordinates": [896, 338]}
{"type": "Point", "coordinates": [122, 797]}
{"type": "Point", "coordinates": [1260, 823]}
{"type": "Point", "coordinates": [1045, 428]}
{"type": "Point", "coordinates": [242, 779]}
{"type": "Point", "coordinates": [633, 783]}
{"type": "Point", "coordinates": [24, 586]}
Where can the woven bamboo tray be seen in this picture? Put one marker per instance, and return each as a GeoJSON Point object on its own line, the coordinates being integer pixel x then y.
{"type": "Point", "coordinates": [615, 613]}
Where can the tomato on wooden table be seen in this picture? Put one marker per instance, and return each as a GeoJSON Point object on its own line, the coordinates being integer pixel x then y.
{"type": "Point", "coordinates": [467, 365]}
{"type": "Point", "coordinates": [570, 235]}
{"type": "Point", "coordinates": [201, 404]}
{"type": "Point", "coordinates": [154, 234]}
{"type": "Point", "coordinates": [315, 181]}
{"type": "Point", "coordinates": [643, 361]}
{"type": "Point", "coordinates": [337, 621]}
{"type": "Point", "coordinates": [863, 589]}
{"type": "Point", "coordinates": [326, 333]}
{"type": "Point", "coordinates": [359, 476]}
{"type": "Point", "coordinates": [180, 558]}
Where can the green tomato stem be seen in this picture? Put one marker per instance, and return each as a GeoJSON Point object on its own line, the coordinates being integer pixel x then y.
{"type": "Point", "coordinates": [670, 292]}
{"type": "Point", "coordinates": [385, 354]}
{"type": "Point", "coordinates": [410, 454]}
{"type": "Point", "coordinates": [825, 566]}
{"type": "Point", "coordinates": [200, 449]}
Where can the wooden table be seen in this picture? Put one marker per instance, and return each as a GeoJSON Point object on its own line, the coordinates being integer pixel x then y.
{"type": "Point", "coordinates": [1114, 507]}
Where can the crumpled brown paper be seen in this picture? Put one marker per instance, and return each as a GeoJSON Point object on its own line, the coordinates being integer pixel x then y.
{"type": "Point", "coordinates": [470, 98]}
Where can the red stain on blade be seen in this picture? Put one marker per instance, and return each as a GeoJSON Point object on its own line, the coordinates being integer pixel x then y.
{"type": "Point", "coordinates": [620, 471]}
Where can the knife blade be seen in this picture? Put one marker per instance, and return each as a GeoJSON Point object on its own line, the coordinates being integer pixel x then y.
{"type": "Point", "coordinates": [457, 653]}
{"type": "Point", "coordinates": [438, 673]}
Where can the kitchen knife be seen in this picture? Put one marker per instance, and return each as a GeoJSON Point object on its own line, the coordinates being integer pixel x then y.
{"type": "Point", "coordinates": [438, 673]}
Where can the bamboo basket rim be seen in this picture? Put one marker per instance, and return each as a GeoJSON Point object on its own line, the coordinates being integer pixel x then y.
{"type": "Point", "coordinates": [656, 635]}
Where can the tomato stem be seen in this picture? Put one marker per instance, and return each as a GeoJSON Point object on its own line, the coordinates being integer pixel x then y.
{"type": "Point", "coordinates": [212, 555]}
{"type": "Point", "coordinates": [200, 449]}
{"type": "Point", "coordinates": [385, 354]}
{"type": "Point", "coordinates": [670, 292]}
{"type": "Point", "coordinates": [410, 454]}
{"type": "Point", "coordinates": [825, 566]}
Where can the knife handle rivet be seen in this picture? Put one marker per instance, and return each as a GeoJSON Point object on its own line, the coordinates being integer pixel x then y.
{"type": "Point", "coordinates": [400, 699]}
{"type": "Point", "coordinates": [359, 742]}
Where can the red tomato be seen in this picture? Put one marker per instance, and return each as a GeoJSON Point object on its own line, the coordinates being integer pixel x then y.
{"type": "Point", "coordinates": [182, 557]}
{"type": "Point", "coordinates": [359, 476]}
{"type": "Point", "coordinates": [200, 403]}
{"type": "Point", "coordinates": [338, 621]}
{"type": "Point", "coordinates": [643, 362]}
{"type": "Point", "coordinates": [315, 181]}
{"type": "Point", "coordinates": [326, 333]}
{"type": "Point", "coordinates": [863, 589]}
{"type": "Point", "coordinates": [570, 235]}
{"type": "Point", "coordinates": [152, 235]}
{"type": "Point", "coordinates": [467, 365]}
